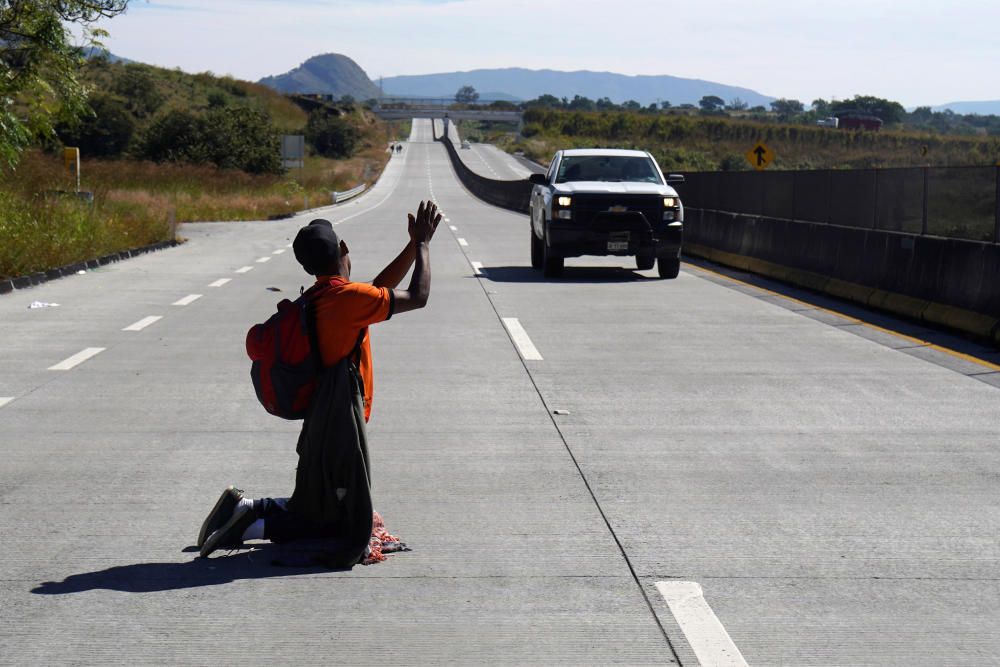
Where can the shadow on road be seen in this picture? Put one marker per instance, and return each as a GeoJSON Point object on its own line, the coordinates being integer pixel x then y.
{"type": "Point", "coordinates": [264, 562]}
{"type": "Point", "coordinates": [570, 274]}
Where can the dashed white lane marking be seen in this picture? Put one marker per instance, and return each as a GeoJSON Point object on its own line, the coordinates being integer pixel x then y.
{"type": "Point", "coordinates": [453, 228]}
{"type": "Point", "coordinates": [462, 242]}
{"type": "Point", "coordinates": [521, 339]}
{"type": "Point", "coordinates": [289, 245]}
{"type": "Point", "coordinates": [143, 323]}
{"type": "Point", "coordinates": [263, 259]}
{"type": "Point", "coordinates": [189, 299]}
{"type": "Point", "coordinates": [77, 359]}
{"type": "Point", "coordinates": [278, 251]}
{"type": "Point", "coordinates": [706, 635]}
{"type": "Point", "coordinates": [244, 269]}
{"type": "Point", "coordinates": [4, 400]}
{"type": "Point", "coordinates": [477, 268]}
{"type": "Point", "coordinates": [220, 282]}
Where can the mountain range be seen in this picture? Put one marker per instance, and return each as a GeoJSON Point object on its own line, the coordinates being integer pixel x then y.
{"type": "Point", "coordinates": [338, 75]}
{"type": "Point", "coordinates": [526, 84]}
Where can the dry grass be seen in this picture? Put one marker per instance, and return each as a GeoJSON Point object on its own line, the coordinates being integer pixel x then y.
{"type": "Point", "coordinates": [135, 201]}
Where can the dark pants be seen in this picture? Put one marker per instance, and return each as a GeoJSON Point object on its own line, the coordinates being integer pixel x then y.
{"type": "Point", "coordinates": [284, 525]}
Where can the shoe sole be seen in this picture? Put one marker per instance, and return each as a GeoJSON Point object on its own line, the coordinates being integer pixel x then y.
{"type": "Point", "coordinates": [224, 507]}
{"type": "Point", "coordinates": [230, 534]}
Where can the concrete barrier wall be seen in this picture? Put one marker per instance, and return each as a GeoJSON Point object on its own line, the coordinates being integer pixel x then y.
{"type": "Point", "coordinates": [513, 195]}
{"type": "Point", "coordinates": [946, 281]}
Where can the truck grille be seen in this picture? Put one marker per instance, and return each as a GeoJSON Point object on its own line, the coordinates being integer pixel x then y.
{"type": "Point", "coordinates": [595, 210]}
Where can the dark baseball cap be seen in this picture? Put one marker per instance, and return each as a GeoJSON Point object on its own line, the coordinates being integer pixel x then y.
{"type": "Point", "coordinates": [317, 247]}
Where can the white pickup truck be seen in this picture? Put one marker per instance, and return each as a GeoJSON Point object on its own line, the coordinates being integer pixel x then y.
{"type": "Point", "coordinates": [606, 202]}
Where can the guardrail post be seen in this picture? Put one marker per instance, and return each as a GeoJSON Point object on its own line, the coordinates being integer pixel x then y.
{"type": "Point", "coordinates": [923, 220]}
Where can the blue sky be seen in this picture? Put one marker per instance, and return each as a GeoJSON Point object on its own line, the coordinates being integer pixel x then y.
{"type": "Point", "coordinates": [916, 52]}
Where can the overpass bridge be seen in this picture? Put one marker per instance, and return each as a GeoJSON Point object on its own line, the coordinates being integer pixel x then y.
{"type": "Point", "coordinates": [404, 108]}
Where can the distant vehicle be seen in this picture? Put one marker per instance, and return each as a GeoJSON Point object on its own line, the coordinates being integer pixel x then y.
{"type": "Point", "coordinates": [832, 121]}
{"type": "Point", "coordinates": [856, 120]}
{"type": "Point", "coordinates": [606, 202]}
{"type": "Point", "coordinates": [466, 144]}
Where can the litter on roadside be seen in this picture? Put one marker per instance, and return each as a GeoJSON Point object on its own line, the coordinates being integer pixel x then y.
{"type": "Point", "coordinates": [42, 304]}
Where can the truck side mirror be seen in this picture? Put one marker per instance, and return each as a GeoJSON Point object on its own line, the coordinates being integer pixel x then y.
{"type": "Point", "coordinates": [674, 179]}
{"type": "Point", "coordinates": [538, 179]}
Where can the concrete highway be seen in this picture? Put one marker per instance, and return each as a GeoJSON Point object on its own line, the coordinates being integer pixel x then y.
{"type": "Point", "coordinates": [601, 469]}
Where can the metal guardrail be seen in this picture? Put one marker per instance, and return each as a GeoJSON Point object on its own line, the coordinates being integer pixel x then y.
{"type": "Point", "coordinates": [348, 194]}
{"type": "Point", "coordinates": [952, 202]}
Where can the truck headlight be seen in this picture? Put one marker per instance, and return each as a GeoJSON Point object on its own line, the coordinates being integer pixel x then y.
{"type": "Point", "coordinates": [565, 201]}
{"type": "Point", "coordinates": [670, 202]}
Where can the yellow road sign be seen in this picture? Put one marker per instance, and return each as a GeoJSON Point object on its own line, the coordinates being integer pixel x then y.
{"type": "Point", "coordinates": [71, 159]}
{"type": "Point", "coordinates": [760, 156]}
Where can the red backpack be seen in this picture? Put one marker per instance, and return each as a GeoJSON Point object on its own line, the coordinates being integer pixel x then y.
{"type": "Point", "coordinates": [285, 356]}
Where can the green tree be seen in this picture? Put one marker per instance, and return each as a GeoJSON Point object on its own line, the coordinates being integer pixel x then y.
{"type": "Point", "coordinates": [579, 103]}
{"type": "Point", "coordinates": [331, 135]}
{"type": "Point", "coordinates": [228, 137]}
{"type": "Point", "coordinates": [549, 101]}
{"type": "Point", "coordinates": [137, 86]}
{"type": "Point", "coordinates": [737, 104]}
{"type": "Point", "coordinates": [39, 66]}
{"type": "Point", "coordinates": [631, 105]}
{"type": "Point", "coordinates": [107, 132]}
{"type": "Point", "coordinates": [786, 108]}
{"type": "Point", "coordinates": [821, 107]}
{"type": "Point", "coordinates": [466, 95]}
{"type": "Point", "coordinates": [711, 103]}
{"type": "Point", "coordinates": [887, 110]}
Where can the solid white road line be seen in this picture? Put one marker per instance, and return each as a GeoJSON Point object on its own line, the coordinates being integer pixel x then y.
{"type": "Point", "coordinates": [244, 269]}
{"type": "Point", "coordinates": [477, 268]}
{"type": "Point", "coordinates": [462, 242]}
{"type": "Point", "coordinates": [77, 359]}
{"type": "Point", "coordinates": [278, 251]}
{"type": "Point", "coordinates": [190, 298]}
{"type": "Point", "coordinates": [4, 400]}
{"type": "Point", "coordinates": [521, 339]}
{"type": "Point", "coordinates": [143, 323]}
{"type": "Point", "coordinates": [263, 259]}
{"type": "Point", "coordinates": [708, 639]}
{"type": "Point", "coordinates": [220, 282]}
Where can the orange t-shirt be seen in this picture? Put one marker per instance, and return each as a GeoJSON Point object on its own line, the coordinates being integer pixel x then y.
{"type": "Point", "coordinates": [341, 314]}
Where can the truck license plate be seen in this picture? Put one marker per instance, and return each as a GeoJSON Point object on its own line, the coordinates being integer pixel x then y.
{"type": "Point", "coordinates": [618, 241]}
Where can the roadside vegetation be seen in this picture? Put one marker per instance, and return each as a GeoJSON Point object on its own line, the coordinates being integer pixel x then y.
{"type": "Point", "coordinates": [715, 134]}
{"type": "Point", "coordinates": [161, 146]}
{"type": "Point", "coordinates": [682, 142]}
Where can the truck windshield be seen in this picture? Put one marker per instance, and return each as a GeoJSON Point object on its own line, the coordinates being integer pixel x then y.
{"type": "Point", "coordinates": [615, 168]}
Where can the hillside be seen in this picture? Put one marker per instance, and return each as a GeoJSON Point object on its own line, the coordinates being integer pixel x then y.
{"type": "Point", "coordinates": [983, 108]}
{"type": "Point", "coordinates": [698, 143]}
{"type": "Point", "coordinates": [529, 84]}
{"type": "Point", "coordinates": [330, 73]}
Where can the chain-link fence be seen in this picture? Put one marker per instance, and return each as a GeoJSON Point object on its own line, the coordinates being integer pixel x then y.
{"type": "Point", "coordinates": [957, 202]}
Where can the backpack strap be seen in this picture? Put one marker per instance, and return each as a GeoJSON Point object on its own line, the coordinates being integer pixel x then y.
{"type": "Point", "coordinates": [309, 305]}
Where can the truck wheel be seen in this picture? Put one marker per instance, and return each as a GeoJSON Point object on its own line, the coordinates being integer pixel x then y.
{"type": "Point", "coordinates": [668, 267]}
{"type": "Point", "coordinates": [537, 250]}
{"type": "Point", "coordinates": [552, 265]}
{"type": "Point", "coordinates": [645, 262]}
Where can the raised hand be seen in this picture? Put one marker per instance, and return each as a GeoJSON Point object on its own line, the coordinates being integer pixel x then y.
{"type": "Point", "coordinates": [423, 226]}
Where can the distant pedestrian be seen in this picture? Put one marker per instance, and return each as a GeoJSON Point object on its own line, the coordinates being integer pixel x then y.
{"type": "Point", "coordinates": [343, 312]}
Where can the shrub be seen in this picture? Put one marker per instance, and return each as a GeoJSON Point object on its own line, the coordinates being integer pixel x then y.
{"type": "Point", "coordinates": [331, 136]}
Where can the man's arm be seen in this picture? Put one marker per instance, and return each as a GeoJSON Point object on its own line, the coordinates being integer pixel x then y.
{"type": "Point", "coordinates": [395, 271]}
{"type": "Point", "coordinates": [421, 229]}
